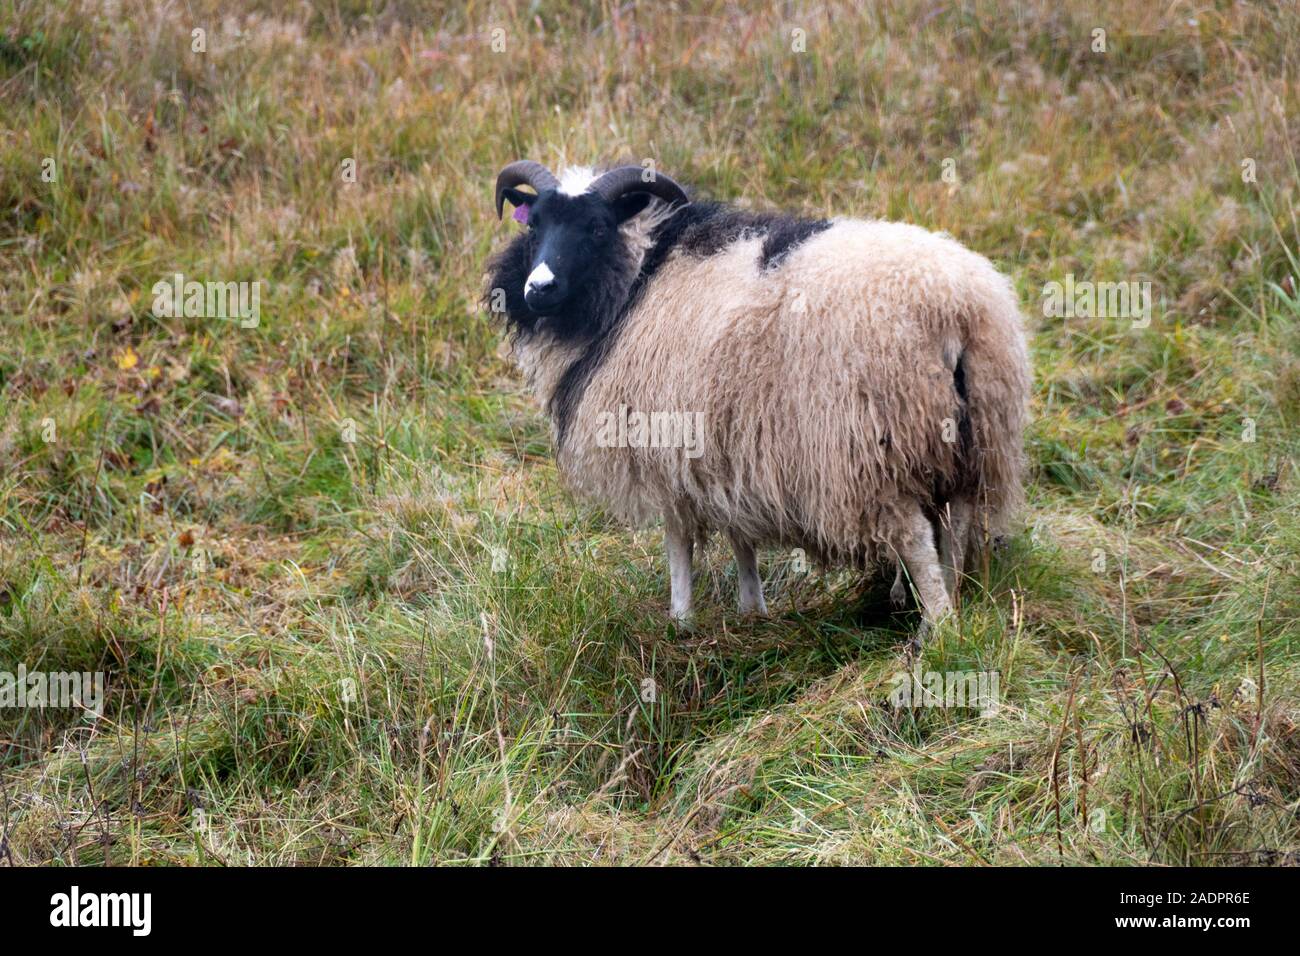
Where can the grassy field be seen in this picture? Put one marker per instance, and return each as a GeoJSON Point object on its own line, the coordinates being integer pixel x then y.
{"type": "Point", "coordinates": [348, 613]}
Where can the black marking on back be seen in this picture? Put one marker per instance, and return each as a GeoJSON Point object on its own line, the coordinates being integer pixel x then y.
{"type": "Point", "coordinates": [784, 236]}
{"type": "Point", "coordinates": [698, 230]}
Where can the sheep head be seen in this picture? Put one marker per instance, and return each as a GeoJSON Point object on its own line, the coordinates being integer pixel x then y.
{"type": "Point", "coordinates": [572, 237]}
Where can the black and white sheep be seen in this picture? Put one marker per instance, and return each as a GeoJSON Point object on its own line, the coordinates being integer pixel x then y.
{"type": "Point", "coordinates": [859, 387]}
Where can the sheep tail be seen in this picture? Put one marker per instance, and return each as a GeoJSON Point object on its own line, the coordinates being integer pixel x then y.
{"type": "Point", "coordinates": [992, 374]}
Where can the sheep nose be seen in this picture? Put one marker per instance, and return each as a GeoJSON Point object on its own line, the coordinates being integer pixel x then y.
{"type": "Point", "coordinates": [541, 280]}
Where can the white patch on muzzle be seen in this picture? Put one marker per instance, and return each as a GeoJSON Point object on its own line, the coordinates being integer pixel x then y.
{"type": "Point", "coordinates": [539, 279]}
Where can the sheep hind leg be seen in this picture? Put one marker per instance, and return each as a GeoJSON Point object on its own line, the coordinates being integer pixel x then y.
{"type": "Point", "coordinates": [679, 542]}
{"type": "Point", "coordinates": [953, 531]}
{"type": "Point", "coordinates": [898, 590]}
{"type": "Point", "coordinates": [751, 585]}
{"type": "Point", "coordinates": [921, 558]}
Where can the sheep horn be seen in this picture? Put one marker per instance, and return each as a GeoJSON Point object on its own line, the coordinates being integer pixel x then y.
{"type": "Point", "coordinates": [524, 172]}
{"type": "Point", "coordinates": [628, 179]}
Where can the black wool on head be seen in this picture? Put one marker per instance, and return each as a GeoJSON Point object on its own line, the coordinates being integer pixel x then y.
{"type": "Point", "coordinates": [602, 264]}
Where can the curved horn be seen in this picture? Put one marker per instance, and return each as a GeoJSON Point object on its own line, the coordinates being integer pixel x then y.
{"type": "Point", "coordinates": [524, 172]}
{"type": "Point", "coordinates": [627, 179]}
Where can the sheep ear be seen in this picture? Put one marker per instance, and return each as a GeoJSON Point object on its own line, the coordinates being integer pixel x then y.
{"type": "Point", "coordinates": [629, 204]}
{"type": "Point", "coordinates": [522, 201]}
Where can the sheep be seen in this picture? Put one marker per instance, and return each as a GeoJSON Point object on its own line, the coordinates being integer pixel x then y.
{"type": "Point", "coordinates": [860, 386]}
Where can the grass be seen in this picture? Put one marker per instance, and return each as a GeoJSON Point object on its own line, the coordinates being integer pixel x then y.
{"type": "Point", "coordinates": [414, 647]}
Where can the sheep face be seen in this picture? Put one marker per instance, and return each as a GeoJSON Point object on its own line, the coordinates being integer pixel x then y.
{"type": "Point", "coordinates": [571, 240]}
{"type": "Point", "coordinates": [568, 275]}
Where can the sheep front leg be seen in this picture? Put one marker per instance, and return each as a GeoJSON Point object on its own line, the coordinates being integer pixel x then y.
{"type": "Point", "coordinates": [922, 560]}
{"type": "Point", "coordinates": [680, 545]}
{"type": "Point", "coordinates": [751, 585]}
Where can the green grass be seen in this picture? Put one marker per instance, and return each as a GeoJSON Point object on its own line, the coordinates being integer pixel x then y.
{"type": "Point", "coordinates": [416, 647]}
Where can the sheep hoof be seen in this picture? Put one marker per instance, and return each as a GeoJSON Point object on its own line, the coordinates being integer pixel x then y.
{"type": "Point", "coordinates": [754, 609]}
{"type": "Point", "coordinates": [681, 619]}
{"type": "Point", "coordinates": [898, 595]}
